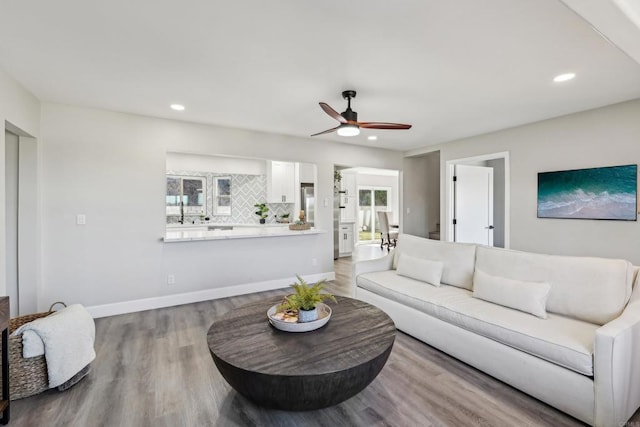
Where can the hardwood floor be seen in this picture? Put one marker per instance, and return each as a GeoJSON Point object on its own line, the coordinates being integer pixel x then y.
{"type": "Point", "coordinates": [153, 368]}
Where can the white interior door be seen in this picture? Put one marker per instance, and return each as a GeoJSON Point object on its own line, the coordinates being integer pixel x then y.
{"type": "Point", "coordinates": [473, 220]}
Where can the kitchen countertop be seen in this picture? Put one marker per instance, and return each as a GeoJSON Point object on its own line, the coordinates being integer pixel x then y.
{"type": "Point", "coordinates": [189, 225]}
{"type": "Point", "coordinates": [191, 232]}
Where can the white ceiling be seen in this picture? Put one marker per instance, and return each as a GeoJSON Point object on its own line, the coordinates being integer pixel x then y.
{"type": "Point", "coordinates": [451, 68]}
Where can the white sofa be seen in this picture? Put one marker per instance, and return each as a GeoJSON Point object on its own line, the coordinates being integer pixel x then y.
{"type": "Point", "coordinates": [583, 358]}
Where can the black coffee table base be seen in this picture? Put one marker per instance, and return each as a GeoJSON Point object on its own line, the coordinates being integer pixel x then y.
{"type": "Point", "coordinates": [301, 392]}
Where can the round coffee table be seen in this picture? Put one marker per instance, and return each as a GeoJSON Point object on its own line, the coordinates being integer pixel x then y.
{"type": "Point", "coordinates": [306, 370]}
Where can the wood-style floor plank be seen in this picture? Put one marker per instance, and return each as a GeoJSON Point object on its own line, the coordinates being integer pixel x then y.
{"type": "Point", "coordinates": [153, 368]}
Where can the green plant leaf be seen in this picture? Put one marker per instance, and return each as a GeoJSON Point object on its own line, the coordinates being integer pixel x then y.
{"type": "Point", "coordinates": [306, 297]}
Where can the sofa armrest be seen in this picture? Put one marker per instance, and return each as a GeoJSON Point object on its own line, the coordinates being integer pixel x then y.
{"type": "Point", "coordinates": [617, 366]}
{"type": "Point", "coordinates": [368, 266]}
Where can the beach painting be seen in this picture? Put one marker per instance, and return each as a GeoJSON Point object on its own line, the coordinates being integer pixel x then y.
{"type": "Point", "coordinates": [596, 193]}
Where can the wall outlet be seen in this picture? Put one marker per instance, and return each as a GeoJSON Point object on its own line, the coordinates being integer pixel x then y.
{"type": "Point", "coordinates": [314, 262]}
{"type": "Point", "coordinates": [81, 219]}
{"type": "Point", "coordinates": [171, 279]}
{"type": "Point", "coordinates": [408, 211]}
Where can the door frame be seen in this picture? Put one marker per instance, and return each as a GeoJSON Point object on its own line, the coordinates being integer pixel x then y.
{"type": "Point", "coordinates": [449, 192]}
{"type": "Point", "coordinates": [374, 218]}
{"type": "Point", "coordinates": [29, 221]}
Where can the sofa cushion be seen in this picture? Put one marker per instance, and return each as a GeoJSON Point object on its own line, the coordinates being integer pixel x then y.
{"type": "Point", "coordinates": [559, 339]}
{"type": "Point", "coordinates": [530, 297]}
{"type": "Point", "coordinates": [458, 258]}
{"type": "Point", "coordinates": [424, 270]}
{"type": "Point", "coordinates": [595, 290]}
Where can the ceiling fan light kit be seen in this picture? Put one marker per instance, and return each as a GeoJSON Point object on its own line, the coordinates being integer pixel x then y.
{"type": "Point", "coordinates": [348, 130]}
{"type": "Point", "coordinates": [349, 124]}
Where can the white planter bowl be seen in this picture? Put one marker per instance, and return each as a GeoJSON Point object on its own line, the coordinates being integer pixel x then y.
{"type": "Point", "coordinates": [324, 314]}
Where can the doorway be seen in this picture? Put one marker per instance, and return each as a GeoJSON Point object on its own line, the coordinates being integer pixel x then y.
{"type": "Point", "coordinates": [360, 192]}
{"type": "Point", "coordinates": [11, 217]}
{"type": "Point", "coordinates": [499, 163]}
{"type": "Point", "coordinates": [371, 200]}
{"type": "Point", "coordinates": [22, 240]}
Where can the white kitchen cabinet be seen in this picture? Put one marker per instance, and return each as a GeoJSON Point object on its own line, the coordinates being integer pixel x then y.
{"type": "Point", "coordinates": [280, 182]}
{"type": "Point", "coordinates": [345, 244]}
{"type": "Point", "coordinates": [348, 199]}
{"type": "Point", "coordinates": [348, 208]}
{"type": "Point", "coordinates": [348, 184]}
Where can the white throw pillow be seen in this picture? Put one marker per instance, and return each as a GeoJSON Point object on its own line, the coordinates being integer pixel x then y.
{"type": "Point", "coordinates": [421, 269]}
{"type": "Point", "coordinates": [530, 297]}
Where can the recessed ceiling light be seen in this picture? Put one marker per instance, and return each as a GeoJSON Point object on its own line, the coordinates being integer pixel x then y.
{"type": "Point", "coordinates": [177, 107]}
{"type": "Point", "coordinates": [564, 77]}
{"type": "Point", "coordinates": [372, 137]}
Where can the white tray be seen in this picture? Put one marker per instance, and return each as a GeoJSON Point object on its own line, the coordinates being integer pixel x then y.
{"type": "Point", "coordinates": [324, 314]}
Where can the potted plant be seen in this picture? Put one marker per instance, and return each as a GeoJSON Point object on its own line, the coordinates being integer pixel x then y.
{"type": "Point", "coordinates": [282, 219]}
{"type": "Point", "coordinates": [261, 211]}
{"type": "Point", "coordinates": [304, 300]}
{"type": "Point", "coordinates": [337, 177]}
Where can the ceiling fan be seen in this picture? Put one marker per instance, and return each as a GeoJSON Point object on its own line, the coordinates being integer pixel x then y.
{"type": "Point", "coordinates": [349, 124]}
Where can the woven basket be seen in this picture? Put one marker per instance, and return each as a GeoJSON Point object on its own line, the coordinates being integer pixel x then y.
{"type": "Point", "coordinates": [26, 376]}
{"type": "Point", "coordinates": [299, 227]}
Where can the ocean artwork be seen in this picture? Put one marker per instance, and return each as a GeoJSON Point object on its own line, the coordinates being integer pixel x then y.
{"type": "Point", "coordinates": [597, 193]}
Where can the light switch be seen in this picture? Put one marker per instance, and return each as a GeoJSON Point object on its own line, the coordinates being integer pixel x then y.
{"type": "Point", "coordinates": [81, 219]}
{"type": "Point", "coordinates": [326, 202]}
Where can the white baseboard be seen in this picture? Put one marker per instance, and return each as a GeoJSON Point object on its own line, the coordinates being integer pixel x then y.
{"type": "Point", "coordinates": [133, 306]}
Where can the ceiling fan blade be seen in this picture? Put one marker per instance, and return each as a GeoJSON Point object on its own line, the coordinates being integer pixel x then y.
{"type": "Point", "coordinates": [326, 131]}
{"type": "Point", "coordinates": [381, 125]}
{"type": "Point", "coordinates": [333, 113]}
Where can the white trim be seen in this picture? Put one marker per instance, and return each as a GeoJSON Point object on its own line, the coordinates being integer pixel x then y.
{"type": "Point", "coordinates": [449, 172]}
{"type": "Point", "coordinates": [133, 306]}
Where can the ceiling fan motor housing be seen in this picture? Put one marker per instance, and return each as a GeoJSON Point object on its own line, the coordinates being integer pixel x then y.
{"type": "Point", "coordinates": [349, 114]}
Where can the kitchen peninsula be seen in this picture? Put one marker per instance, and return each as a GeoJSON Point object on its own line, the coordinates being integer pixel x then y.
{"type": "Point", "coordinates": [231, 231]}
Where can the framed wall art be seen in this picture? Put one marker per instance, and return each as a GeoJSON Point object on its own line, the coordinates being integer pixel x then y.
{"type": "Point", "coordinates": [596, 193]}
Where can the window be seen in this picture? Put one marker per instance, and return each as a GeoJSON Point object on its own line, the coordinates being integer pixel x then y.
{"type": "Point", "coordinates": [371, 200]}
{"type": "Point", "coordinates": [222, 196]}
{"type": "Point", "coordinates": [185, 195]}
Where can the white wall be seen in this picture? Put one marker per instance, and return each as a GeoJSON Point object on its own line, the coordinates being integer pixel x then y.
{"type": "Point", "coordinates": [307, 172]}
{"type": "Point", "coordinates": [18, 106]}
{"type": "Point", "coordinates": [414, 199]}
{"type": "Point", "coordinates": [603, 137]}
{"type": "Point", "coordinates": [498, 200]}
{"type": "Point", "coordinates": [217, 164]}
{"type": "Point", "coordinates": [20, 113]}
{"type": "Point", "coordinates": [111, 167]}
{"type": "Point", "coordinates": [421, 196]}
{"type": "Point", "coordinates": [433, 191]}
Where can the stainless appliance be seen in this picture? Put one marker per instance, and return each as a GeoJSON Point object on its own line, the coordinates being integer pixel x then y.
{"type": "Point", "coordinates": [307, 201]}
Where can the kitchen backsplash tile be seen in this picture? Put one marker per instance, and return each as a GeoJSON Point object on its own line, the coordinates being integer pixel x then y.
{"type": "Point", "coordinates": [246, 191]}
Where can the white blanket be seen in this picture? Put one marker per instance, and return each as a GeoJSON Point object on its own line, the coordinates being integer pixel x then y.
{"type": "Point", "coordinates": [65, 337]}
